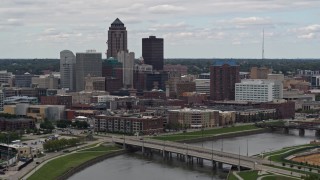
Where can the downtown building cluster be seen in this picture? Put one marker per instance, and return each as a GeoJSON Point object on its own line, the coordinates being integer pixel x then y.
{"type": "Point", "coordinates": [122, 93]}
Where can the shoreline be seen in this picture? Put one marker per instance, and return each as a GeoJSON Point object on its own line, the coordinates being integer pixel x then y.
{"type": "Point", "coordinates": [226, 135]}
{"type": "Point", "coordinates": [89, 163]}
{"type": "Point", "coordinates": [98, 159]}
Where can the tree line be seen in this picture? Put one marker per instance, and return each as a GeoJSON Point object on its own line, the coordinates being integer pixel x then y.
{"type": "Point", "coordinates": [59, 144]}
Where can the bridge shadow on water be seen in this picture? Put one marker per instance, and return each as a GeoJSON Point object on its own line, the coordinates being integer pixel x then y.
{"type": "Point", "coordinates": [174, 163]}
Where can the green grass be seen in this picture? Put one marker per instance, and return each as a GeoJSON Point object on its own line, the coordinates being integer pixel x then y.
{"type": "Point", "coordinates": [281, 157]}
{"type": "Point", "coordinates": [277, 177]}
{"type": "Point", "coordinates": [59, 166]}
{"type": "Point", "coordinates": [100, 148]}
{"type": "Point", "coordinates": [249, 174]}
{"type": "Point", "coordinates": [254, 175]}
{"type": "Point", "coordinates": [231, 176]}
{"type": "Point", "coordinates": [293, 170]}
{"type": "Point", "coordinates": [205, 133]}
{"type": "Point", "coordinates": [287, 149]}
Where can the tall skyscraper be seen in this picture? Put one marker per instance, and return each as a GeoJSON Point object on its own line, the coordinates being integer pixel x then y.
{"type": "Point", "coordinates": [152, 52]}
{"type": "Point", "coordinates": [127, 60]}
{"type": "Point", "coordinates": [223, 77]}
{"type": "Point", "coordinates": [88, 63]}
{"type": "Point", "coordinates": [67, 70]}
{"type": "Point", "coordinates": [117, 38]}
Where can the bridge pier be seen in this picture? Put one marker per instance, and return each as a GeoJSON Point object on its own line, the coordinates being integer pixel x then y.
{"type": "Point", "coordinates": [317, 133]}
{"type": "Point", "coordinates": [214, 164]}
{"type": "Point", "coordinates": [189, 159]}
{"type": "Point", "coordinates": [301, 132]}
{"type": "Point", "coordinates": [200, 161]}
{"type": "Point", "coordinates": [147, 152]}
{"type": "Point", "coordinates": [220, 165]}
{"type": "Point", "coordinates": [286, 130]}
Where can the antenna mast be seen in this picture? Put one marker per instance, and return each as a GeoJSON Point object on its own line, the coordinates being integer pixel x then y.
{"type": "Point", "coordinates": [263, 43]}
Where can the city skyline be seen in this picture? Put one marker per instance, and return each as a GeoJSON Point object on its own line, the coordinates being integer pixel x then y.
{"type": "Point", "coordinates": [210, 29]}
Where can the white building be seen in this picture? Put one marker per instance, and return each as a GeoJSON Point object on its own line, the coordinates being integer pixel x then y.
{"type": "Point", "coordinates": [48, 81]}
{"type": "Point", "coordinates": [202, 85]}
{"type": "Point", "coordinates": [258, 90]}
{"type": "Point", "coordinates": [6, 77]}
{"type": "Point", "coordinates": [127, 60]}
{"type": "Point", "coordinates": [67, 69]}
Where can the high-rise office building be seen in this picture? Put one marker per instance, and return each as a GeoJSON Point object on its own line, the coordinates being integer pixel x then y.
{"type": "Point", "coordinates": [127, 60]}
{"type": "Point", "coordinates": [223, 77]}
{"type": "Point", "coordinates": [113, 72]}
{"type": "Point", "coordinates": [258, 90]}
{"type": "Point", "coordinates": [67, 70]}
{"type": "Point", "coordinates": [152, 52]}
{"type": "Point", "coordinates": [88, 63]}
{"type": "Point", "coordinates": [117, 38]}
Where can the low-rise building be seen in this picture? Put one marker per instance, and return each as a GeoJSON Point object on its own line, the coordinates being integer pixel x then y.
{"type": "Point", "coordinates": [200, 118]}
{"type": "Point", "coordinates": [46, 81]}
{"type": "Point", "coordinates": [38, 112]}
{"type": "Point", "coordinates": [20, 99]}
{"type": "Point", "coordinates": [129, 124]}
{"type": "Point", "coordinates": [57, 100]}
{"type": "Point", "coordinates": [16, 124]}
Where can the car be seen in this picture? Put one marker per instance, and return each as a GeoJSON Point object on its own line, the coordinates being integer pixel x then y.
{"type": "Point", "coordinates": [37, 162]}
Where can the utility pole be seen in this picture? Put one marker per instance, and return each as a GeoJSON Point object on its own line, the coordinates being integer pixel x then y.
{"type": "Point", "coordinates": [221, 145]}
{"type": "Point", "coordinates": [247, 148]}
{"type": "Point", "coordinates": [239, 160]}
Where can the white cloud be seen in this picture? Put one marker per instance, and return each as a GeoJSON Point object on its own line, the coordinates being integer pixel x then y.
{"type": "Point", "coordinates": [307, 32]}
{"type": "Point", "coordinates": [178, 21]}
{"type": "Point", "coordinates": [165, 8]}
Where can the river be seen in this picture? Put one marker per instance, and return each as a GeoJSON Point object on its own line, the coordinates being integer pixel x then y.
{"type": "Point", "coordinates": [137, 167]}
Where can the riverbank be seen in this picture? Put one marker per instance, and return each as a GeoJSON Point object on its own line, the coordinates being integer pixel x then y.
{"type": "Point", "coordinates": [65, 166]}
{"type": "Point", "coordinates": [225, 135]}
{"type": "Point", "coordinates": [213, 134]}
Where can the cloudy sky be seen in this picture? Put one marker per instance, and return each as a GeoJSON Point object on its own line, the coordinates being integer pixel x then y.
{"type": "Point", "coordinates": [190, 28]}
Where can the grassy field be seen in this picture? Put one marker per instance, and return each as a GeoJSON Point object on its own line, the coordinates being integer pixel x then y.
{"type": "Point", "coordinates": [57, 167]}
{"type": "Point", "coordinates": [286, 149]}
{"type": "Point", "coordinates": [205, 133]}
{"type": "Point", "coordinates": [254, 175]}
{"type": "Point", "coordinates": [249, 174]}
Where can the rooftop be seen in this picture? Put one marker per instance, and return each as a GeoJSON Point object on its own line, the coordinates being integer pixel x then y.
{"type": "Point", "coordinates": [117, 22]}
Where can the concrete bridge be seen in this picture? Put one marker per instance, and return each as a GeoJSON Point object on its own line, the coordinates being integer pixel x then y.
{"type": "Point", "coordinates": [188, 153]}
{"type": "Point", "coordinates": [286, 128]}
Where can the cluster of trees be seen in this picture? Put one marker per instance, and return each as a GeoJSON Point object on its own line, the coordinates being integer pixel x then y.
{"type": "Point", "coordinates": [46, 124]}
{"type": "Point", "coordinates": [286, 66]}
{"type": "Point", "coordinates": [59, 144]}
{"type": "Point", "coordinates": [76, 124]}
{"type": "Point", "coordinates": [10, 136]}
{"type": "Point", "coordinates": [33, 66]}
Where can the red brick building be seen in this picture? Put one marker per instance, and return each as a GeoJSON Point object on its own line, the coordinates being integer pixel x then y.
{"type": "Point", "coordinates": [129, 124]}
{"type": "Point", "coordinates": [284, 110]}
{"type": "Point", "coordinates": [16, 124]}
{"type": "Point", "coordinates": [57, 100]}
{"type": "Point", "coordinates": [223, 76]}
{"type": "Point", "coordinates": [184, 86]}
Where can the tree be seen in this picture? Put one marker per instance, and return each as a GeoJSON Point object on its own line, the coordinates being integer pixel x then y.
{"type": "Point", "coordinates": [312, 177]}
{"type": "Point", "coordinates": [46, 125]}
{"type": "Point", "coordinates": [63, 123]}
